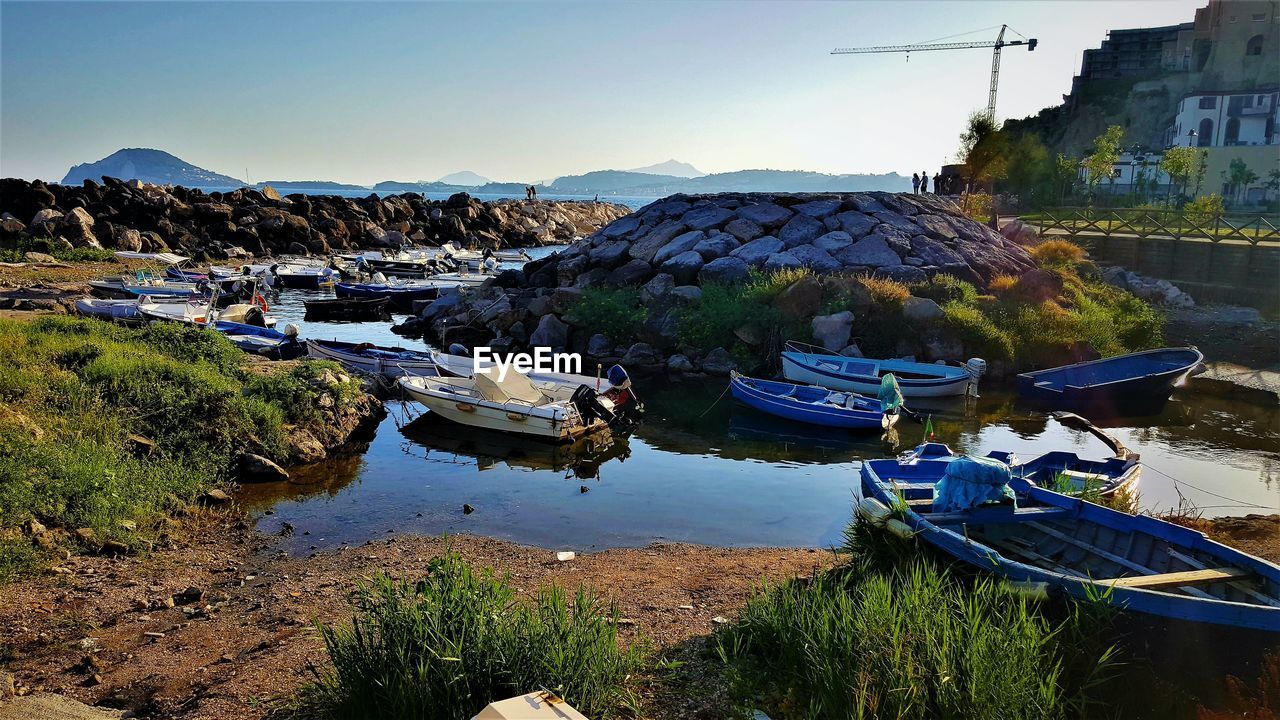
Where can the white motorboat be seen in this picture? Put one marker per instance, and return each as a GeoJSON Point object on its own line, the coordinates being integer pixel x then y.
{"type": "Point", "coordinates": [515, 404]}
{"type": "Point", "coordinates": [463, 366]}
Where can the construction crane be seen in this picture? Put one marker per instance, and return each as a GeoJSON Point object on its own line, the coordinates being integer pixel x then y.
{"type": "Point", "coordinates": [999, 44]}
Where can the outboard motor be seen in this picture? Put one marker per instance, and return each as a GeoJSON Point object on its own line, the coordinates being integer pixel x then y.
{"type": "Point", "coordinates": [625, 403]}
{"type": "Point", "coordinates": [254, 316]}
{"type": "Point", "coordinates": [587, 402]}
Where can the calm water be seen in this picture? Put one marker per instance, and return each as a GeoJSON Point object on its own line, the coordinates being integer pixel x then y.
{"type": "Point", "coordinates": [704, 470]}
{"type": "Point", "coordinates": [633, 202]}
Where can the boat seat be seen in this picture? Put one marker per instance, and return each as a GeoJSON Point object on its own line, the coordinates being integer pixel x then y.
{"type": "Point", "coordinates": [1183, 578]}
{"type": "Point", "coordinates": [997, 515]}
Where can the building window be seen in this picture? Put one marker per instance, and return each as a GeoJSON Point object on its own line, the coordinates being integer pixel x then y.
{"type": "Point", "coordinates": [1204, 136]}
{"type": "Point", "coordinates": [1233, 132]}
{"type": "Point", "coordinates": [1209, 102]}
{"type": "Point", "coordinates": [1259, 17]}
{"type": "Point", "coordinates": [1254, 46]}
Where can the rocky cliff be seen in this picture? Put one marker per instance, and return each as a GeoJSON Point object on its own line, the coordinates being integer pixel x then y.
{"type": "Point", "coordinates": [147, 165]}
{"type": "Point", "coordinates": [720, 238]}
{"type": "Point", "coordinates": [138, 216]}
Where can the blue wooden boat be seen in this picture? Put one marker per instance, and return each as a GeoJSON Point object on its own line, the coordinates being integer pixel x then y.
{"type": "Point", "coordinates": [1059, 543]}
{"type": "Point", "coordinates": [391, 362]}
{"type": "Point", "coordinates": [1058, 470]}
{"type": "Point", "coordinates": [813, 366]}
{"type": "Point", "coordinates": [809, 404]}
{"type": "Point", "coordinates": [182, 275]}
{"type": "Point", "coordinates": [269, 342]}
{"type": "Point", "coordinates": [1135, 384]}
{"type": "Point", "coordinates": [401, 296]}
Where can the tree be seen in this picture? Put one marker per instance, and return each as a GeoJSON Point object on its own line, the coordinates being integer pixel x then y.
{"type": "Point", "coordinates": [983, 150]}
{"type": "Point", "coordinates": [1240, 177]}
{"type": "Point", "coordinates": [1273, 180]}
{"type": "Point", "coordinates": [1064, 174]}
{"type": "Point", "coordinates": [1102, 161]}
{"type": "Point", "coordinates": [1030, 171]}
{"type": "Point", "coordinates": [1178, 163]}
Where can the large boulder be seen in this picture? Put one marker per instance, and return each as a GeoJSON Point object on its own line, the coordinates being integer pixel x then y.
{"type": "Point", "coordinates": [755, 252]}
{"type": "Point", "coordinates": [634, 272]}
{"type": "Point", "coordinates": [832, 331]}
{"type": "Point", "coordinates": [800, 230]}
{"type": "Point", "coordinates": [716, 246]}
{"type": "Point", "coordinates": [725, 271]}
{"type": "Point", "coordinates": [921, 309]}
{"type": "Point", "coordinates": [647, 245]}
{"type": "Point", "coordinates": [743, 229]}
{"type": "Point", "coordinates": [815, 259]}
{"type": "Point", "coordinates": [767, 215]}
{"type": "Point", "coordinates": [551, 333]}
{"type": "Point", "coordinates": [856, 224]}
{"type": "Point", "coordinates": [719, 362]}
{"type": "Point", "coordinates": [833, 241]}
{"type": "Point", "coordinates": [801, 300]}
{"type": "Point", "coordinates": [658, 287]}
{"type": "Point", "coordinates": [683, 267]}
{"type": "Point", "coordinates": [610, 255]}
{"type": "Point", "coordinates": [871, 251]}
{"type": "Point", "coordinates": [679, 244]}
{"type": "Point", "coordinates": [780, 261]}
{"type": "Point", "coordinates": [705, 218]}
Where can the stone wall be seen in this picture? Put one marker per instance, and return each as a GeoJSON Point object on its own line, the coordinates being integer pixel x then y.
{"type": "Point", "coordinates": [150, 218]}
{"type": "Point", "coordinates": [720, 238]}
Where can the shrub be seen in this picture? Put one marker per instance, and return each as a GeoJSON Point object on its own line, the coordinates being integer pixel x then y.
{"type": "Point", "coordinates": [616, 313]}
{"type": "Point", "coordinates": [726, 309]}
{"type": "Point", "coordinates": [887, 293]}
{"type": "Point", "coordinates": [1057, 254]}
{"type": "Point", "coordinates": [450, 643]}
{"type": "Point", "coordinates": [945, 288]}
{"type": "Point", "coordinates": [978, 333]}
{"type": "Point", "coordinates": [908, 642]}
{"type": "Point", "coordinates": [1002, 284]}
{"type": "Point", "coordinates": [17, 251]}
{"type": "Point", "coordinates": [977, 205]}
{"type": "Point", "coordinates": [1204, 209]}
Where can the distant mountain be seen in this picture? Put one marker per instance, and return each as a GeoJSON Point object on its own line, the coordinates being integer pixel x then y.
{"type": "Point", "coordinates": [674, 168]}
{"type": "Point", "coordinates": [147, 165]}
{"type": "Point", "coordinates": [465, 178]}
{"type": "Point", "coordinates": [618, 182]}
{"type": "Point", "coordinates": [299, 185]}
{"type": "Point", "coordinates": [395, 186]}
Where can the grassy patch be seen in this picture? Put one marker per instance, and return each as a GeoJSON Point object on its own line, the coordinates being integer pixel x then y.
{"type": "Point", "coordinates": [77, 395]}
{"type": "Point", "coordinates": [614, 312]}
{"type": "Point", "coordinates": [450, 643]}
{"type": "Point", "coordinates": [1062, 254]}
{"type": "Point", "coordinates": [50, 247]}
{"type": "Point", "coordinates": [906, 639]}
{"type": "Point", "coordinates": [943, 288]}
{"type": "Point", "coordinates": [727, 313]}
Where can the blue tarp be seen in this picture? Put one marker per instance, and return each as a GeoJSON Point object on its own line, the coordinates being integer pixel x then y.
{"type": "Point", "coordinates": [969, 482]}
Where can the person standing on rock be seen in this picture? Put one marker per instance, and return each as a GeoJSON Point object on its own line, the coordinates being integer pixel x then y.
{"type": "Point", "coordinates": [915, 183]}
{"type": "Point", "coordinates": [937, 183]}
{"type": "Point", "coordinates": [924, 182]}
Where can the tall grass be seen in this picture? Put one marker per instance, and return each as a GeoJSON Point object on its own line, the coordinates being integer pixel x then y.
{"type": "Point", "coordinates": [903, 638]}
{"type": "Point", "coordinates": [16, 251]}
{"type": "Point", "coordinates": [75, 391]}
{"type": "Point", "coordinates": [445, 646]}
{"type": "Point", "coordinates": [614, 312]}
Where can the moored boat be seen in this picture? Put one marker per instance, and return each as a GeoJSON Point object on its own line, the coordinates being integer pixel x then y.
{"type": "Point", "coordinates": [400, 295]}
{"type": "Point", "coordinates": [269, 342]}
{"type": "Point", "coordinates": [1062, 543]}
{"type": "Point", "coordinates": [391, 362]}
{"type": "Point", "coordinates": [514, 404]}
{"type": "Point", "coordinates": [346, 308]}
{"type": "Point", "coordinates": [810, 404]}
{"type": "Point", "coordinates": [1057, 470]}
{"type": "Point", "coordinates": [803, 364]}
{"type": "Point", "coordinates": [1126, 385]}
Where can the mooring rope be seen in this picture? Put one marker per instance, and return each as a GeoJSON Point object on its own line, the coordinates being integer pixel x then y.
{"type": "Point", "coordinates": [1178, 483]}
{"type": "Point", "coordinates": [713, 403]}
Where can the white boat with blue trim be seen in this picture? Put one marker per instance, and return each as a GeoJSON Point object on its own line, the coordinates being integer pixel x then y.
{"type": "Point", "coordinates": [810, 365]}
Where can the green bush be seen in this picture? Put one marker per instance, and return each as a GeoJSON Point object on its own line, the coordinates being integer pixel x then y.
{"type": "Point", "coordinates": [17, 251]}
{"type": "Point", "coordinates": [978, 332]}
{"type": "Point", "coordinates": [1060, 254]}
{"type": "Point", "coordinates": [724, 310]}
{"type": "Point", "coordinates": [1204, 209]}
{"type": "Point", "coordinates": [615, 313]}
{"type": "Point", "coordinates": [909, 641]}
{"type": "Point", "coordinates": [943, 288]}
{"type": "Point", "coordinates": [448, 644]}
{"type": "Point", "coordinates": [73, 392]}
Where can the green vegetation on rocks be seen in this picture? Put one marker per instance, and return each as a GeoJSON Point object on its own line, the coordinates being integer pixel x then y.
{"type": "Point", "coordinates": [103, 427]}
{"type": "Point", "coordinates": [446, 645]}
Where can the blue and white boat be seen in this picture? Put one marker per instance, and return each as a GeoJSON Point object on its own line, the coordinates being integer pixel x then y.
{"type": "Point", "coordinates": [809, 404]}
{"type": "Point", "coordinates": [1126, 385]}
{"type": "Point", "coordinates": [1058, 470]}
{"type": "Point", "coordinates": [1053, 542]}
{"type": "Point", "coordinates": [282, 345]}
{"type": "Point", "coordinates": [801, 363]}
{"type": "Point", "coordinates": [390, 362]}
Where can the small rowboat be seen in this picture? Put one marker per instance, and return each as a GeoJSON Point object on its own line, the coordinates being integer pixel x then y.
{"type": "Point", "coordinates": [267, 342]}
{"type": "Point", "coordinates": [391, 362]}
{"type": "Point", "coordinates": [346, 308]}
{"type": "Point", "coordinates": [1057, 470]}
{"type": "Point", "coordinates": [801, 364]}
{"type": "Point", "coordinates": [1126, 385]}
{"type": "Point", "coordinates": [1055, 542]}
{"type": "Point", "coordinates": [809, 404]}
{"type": "Point", "coordinates": [401, 296]}
{"type": "Point", "coordinates": [514, 405]}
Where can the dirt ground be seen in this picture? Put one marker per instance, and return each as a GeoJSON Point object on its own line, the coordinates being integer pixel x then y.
{"type": "Point", "coordinates": [101, 630]}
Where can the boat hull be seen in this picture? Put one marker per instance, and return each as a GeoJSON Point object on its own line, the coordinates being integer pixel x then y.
{"type": "Point", "coordinates": [301, 281]}
{"type": "Point", "coordinates": [753, 394]}
{"type": "Point", "coordinates": [1128, 385]}
{"type": "Point", "coordinates": [795, 369]}
{"type": "Point", "coordinates": [512, 418]}
{"type": "Point", "coordinates": [374, 364]}
{"type": "Point", "coordinates": [346, 308]}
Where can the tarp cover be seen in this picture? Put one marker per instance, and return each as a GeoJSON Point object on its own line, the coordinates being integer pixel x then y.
{"type": "Point", "coordinates": [969, 482]}
{"type": "Point", "coordinates": [890, 394]}
{"type": "Point", "coordinates": [514, 386]}
{"type": "Point", "coordinates": [166, 258]}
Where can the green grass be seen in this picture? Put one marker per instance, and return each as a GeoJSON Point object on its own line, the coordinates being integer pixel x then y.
{"type": "Point", "coordinates": [75, 390]}
{"type": "Point", "coordinates": [450, 643]}
{"type": "Point", "coordinates": [899, 636]}
{"type": "Point", "coordinates": [615, 313]}
{"type": "Point", "coordinates": [50, 247]}
{"type": "Point", "coordinates": [726, 310]}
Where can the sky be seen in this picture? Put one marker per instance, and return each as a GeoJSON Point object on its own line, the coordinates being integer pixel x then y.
{"type": "Point", "coordinates": [367, 91]}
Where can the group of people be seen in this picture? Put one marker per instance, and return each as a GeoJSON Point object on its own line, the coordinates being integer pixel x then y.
{"type": "Point", "coordinates": [942, 184]}
{"type": "Point", "coordinates": [531, 193]}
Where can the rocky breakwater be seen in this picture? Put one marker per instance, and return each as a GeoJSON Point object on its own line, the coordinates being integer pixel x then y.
{"type": "Point", "coordinates": [130, 215]}
{"type": "Point", "coordinates": [837, 245]}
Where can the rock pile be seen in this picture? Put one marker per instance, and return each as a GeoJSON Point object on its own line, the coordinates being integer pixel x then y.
{"type": "Point", "coordinates": [1154, 290]}
{"type": "Point", "coordinates": [150, 218]}
{"type": "Point", "coordinates": [720, 238]}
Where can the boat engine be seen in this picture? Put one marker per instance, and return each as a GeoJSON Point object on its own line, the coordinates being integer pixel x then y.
{"type": "Point", "coordinates": [625, 403]}
{"type": "Point", "coordinates": [587, 402]}
{"type": "Point", "coordinates": [254, 316]}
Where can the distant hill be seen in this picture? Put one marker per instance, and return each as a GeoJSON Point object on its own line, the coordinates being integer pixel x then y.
{"type": "Point", "coordinates": [674, 168]}
{"type": "Point", "coordinates": [465, 178]}
{"type": "Point", "coordinates": [299, 185]}
{"type": "Point", "coordinates": [147, 165]}
{"type": "Point", "coordinates": [618, 182]}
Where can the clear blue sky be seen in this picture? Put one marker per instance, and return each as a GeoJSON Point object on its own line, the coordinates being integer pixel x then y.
{"type": "Point", "coordinates": [361, 92]}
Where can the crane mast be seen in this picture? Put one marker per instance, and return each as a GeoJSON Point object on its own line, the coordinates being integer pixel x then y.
{"type": "Point", "coordinates": [999, 44]}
